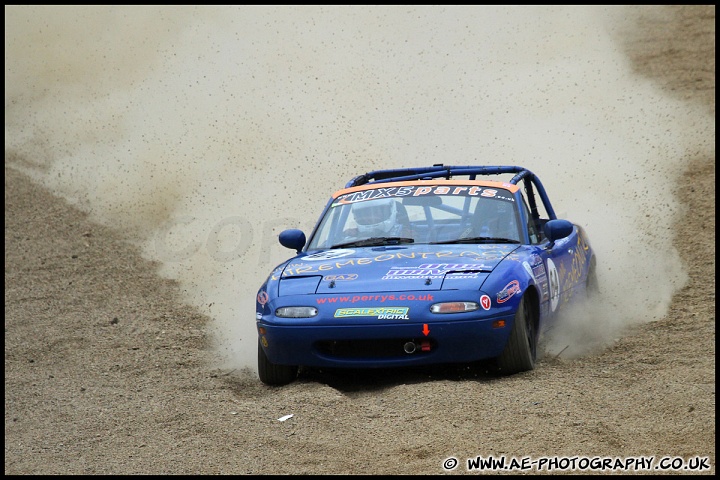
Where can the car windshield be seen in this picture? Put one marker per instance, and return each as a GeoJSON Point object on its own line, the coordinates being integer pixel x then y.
{"type": "Point", "coordinates": [426, 214]}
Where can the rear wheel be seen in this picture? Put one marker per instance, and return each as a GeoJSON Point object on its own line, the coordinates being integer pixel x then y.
{"type": "Point", "coordinates": [272, 374]}
{"type": "Point", "coordinates": [521, 349]}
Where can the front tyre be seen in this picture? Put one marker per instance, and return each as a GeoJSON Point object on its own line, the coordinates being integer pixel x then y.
{"type": "Point", "coordinates": [272, 374]}
{"type": "Point", "coordinates": [521, 349]}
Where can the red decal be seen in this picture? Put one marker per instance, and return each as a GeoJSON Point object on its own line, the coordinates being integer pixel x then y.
{"type": "Point", "coordinates": [485, 302]}
{"type": "Point", "coordinates": [262, 298]}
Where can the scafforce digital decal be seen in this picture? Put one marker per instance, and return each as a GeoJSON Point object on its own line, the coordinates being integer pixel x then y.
{"type": "Point", "coordinates": [382, 313]}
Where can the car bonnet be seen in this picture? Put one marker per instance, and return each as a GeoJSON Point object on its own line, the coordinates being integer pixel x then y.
{"type": "Point", "coordinates": [391, 269]}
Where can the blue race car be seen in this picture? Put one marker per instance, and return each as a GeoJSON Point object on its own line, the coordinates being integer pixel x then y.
{"type": "Point", "coordinates": [423, 266]}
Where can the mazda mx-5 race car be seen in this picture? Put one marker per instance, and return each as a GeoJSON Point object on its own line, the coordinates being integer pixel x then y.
{"type": "Point", "coordinates": [423, 266]}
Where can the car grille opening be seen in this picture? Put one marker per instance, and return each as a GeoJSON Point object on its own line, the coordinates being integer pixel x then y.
{"type": "Point", "coordinates": [384, 348]}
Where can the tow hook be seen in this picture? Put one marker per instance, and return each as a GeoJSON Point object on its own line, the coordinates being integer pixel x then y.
{"type": "Point", "coordinates": [412, 347]}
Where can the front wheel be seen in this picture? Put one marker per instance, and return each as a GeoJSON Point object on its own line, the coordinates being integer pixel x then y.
{"type": "Point", "coordinates": [272, 374]}
{"type": "Point", "coordinates": [521, 349]}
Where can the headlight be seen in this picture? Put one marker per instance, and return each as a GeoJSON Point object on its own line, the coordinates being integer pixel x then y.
{"type": "Point", "coordinates": [296, 312]}
{"type": "Point", "coordinates": [454, 307]}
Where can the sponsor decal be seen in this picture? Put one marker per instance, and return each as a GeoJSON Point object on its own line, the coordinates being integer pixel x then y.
{"type": "Point", "coordinates": [381, 313]}
{"type": "Point", "coordinates": [540, 276]}
{"type": "Point", "coordinates": [485, 302]}
{"type": "Point", "coordinates": [508, 291]}
{"type": "Point", "coordinates": [346, 276]}
{"type": "Point", "coordinates": [536, 269]}
{"type": "Point", "coordinates": [554, 280]}
{"type": "Point", "coordinates": [573, 267]}
{"type": "Point", "coordinates": [437, 270]}
{"type": "Point", "coordinates": [422, 190]}
{"type": "Point", "coordinates": [328, 255]}
{"type": "Point", "coordinates": [389, 297]}
{"type": "Point", "coordinates": [529, 269]}
{"type": "Point", "coordinates": [489, 253]}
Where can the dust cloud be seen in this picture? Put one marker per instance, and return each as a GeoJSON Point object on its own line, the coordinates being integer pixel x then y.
{"type": "Point", "coordinates": [201, 132]}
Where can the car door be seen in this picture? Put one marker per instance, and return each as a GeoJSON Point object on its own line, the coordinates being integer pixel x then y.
{"type": "Point", "coordinates": [561, 263]}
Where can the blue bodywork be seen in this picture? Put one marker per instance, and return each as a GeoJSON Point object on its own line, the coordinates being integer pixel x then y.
{"type": "Point", "coordinates": [374, 303]}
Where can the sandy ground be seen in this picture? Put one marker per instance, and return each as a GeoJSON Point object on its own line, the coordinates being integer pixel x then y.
{"type": "Point", "coordinates": [88, 391]}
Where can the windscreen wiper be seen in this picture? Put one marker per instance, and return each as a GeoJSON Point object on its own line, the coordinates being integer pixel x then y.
{"type": "Point", "coordinates": [478, 240]}
{"type": "Point", "coordinates": [375, 241]}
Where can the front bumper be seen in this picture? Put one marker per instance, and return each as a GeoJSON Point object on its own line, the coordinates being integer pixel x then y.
{"type": "Point", "coordinates": [386, 345]}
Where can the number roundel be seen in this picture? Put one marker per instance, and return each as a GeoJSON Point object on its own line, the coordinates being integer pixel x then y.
{"type": "Point", "coordinates": [554, 281]}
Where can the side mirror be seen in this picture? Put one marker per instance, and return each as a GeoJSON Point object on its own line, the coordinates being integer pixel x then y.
{"type": "Point", "coordinates": [292, 238]}
{"type": "Point", "coordinates": [556, 229]}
